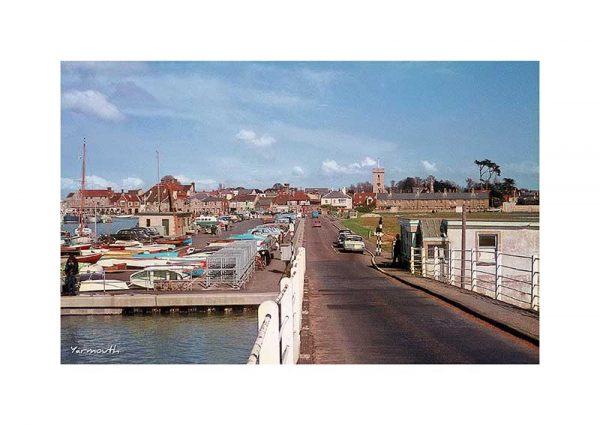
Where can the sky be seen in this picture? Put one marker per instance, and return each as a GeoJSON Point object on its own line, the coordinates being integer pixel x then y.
{"type": "Point", "coordinates": [310, 124]}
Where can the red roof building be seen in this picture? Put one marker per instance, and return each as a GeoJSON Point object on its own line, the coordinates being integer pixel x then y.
{"type": "Point", "coordinates": [363, 198]}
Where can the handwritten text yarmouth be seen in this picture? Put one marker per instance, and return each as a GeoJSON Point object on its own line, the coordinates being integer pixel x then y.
{"type": "Point", "coordinates": [87, 351]}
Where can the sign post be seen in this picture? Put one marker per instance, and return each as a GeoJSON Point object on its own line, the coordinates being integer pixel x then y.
{"type": "Point", "coordinates": [379, 234]}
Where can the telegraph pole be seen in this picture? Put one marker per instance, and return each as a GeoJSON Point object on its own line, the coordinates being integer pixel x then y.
{"type": "Point", "coordinates": [158, 176]}
{"type": "Point", "coordinates": [463, 244]}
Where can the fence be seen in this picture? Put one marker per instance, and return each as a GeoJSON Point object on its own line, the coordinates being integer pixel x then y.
{"type": "Point", "coordinates": [514, 279]}
{"type": "Point", "coordinates": [232, 266]}
{"type": "Point", "coordinates": [280, 320]}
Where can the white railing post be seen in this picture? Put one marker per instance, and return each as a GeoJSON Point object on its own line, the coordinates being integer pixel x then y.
{"type": "Point", "coordinates": [436, 263]}
{"type": "Point", "coordinates": [287, 321]}
{"type": "Point", "coordinates": [412, 260]}
{"type": "Point", "coordinates": [473, 271]}
{"type": "Point", "coordinates": [498, 258]}
{"type": "Point", "coordinates": [269, 352]}
{"type": "Point", "coordinates": [535, 282]}
{"type": "Point", "coordinates": [451, 266]}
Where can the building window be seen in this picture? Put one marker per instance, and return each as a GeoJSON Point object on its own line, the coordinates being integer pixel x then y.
{"type": "Point", "coordinates": [431, 250]}
{"type": "Point", "coordinates": [487, 241]}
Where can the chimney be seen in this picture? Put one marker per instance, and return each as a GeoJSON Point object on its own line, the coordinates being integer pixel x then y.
{"type": "Point", "coordinates": [109, 188]}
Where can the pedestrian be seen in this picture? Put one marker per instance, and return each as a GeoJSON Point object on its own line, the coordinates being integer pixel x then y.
{"type": "Point", "coordinates": [396, 250]}
{"type": "Point", "coordinates": [71, 272]}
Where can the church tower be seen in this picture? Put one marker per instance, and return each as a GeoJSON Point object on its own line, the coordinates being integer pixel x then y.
{"type": "Point", "coordinates": [378, 180]}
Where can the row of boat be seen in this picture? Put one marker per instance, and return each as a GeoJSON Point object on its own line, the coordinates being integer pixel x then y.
{"type": "Point", "coordinates": [166, 258]}
{"type": "Point", "coordinates": [171, 256]}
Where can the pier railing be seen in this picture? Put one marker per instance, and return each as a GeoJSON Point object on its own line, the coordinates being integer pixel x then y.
{"type": "Point", "coordinates": [514, 279]}
{"type": "Point", "coordinates": [280, 320]}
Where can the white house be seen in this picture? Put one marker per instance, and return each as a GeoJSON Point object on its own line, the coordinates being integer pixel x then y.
{"type": "Point", "coordinates": [337, 199]}
{"type": "Point", "coordinates": [501, 257]}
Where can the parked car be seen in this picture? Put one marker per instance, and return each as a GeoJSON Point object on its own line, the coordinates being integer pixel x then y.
{"type": "Point", "coordinates": [150, 231]}
{"type": "Point", "coordinates": [342, 234]}
{"type": "Point", "coordinates": [317, 223]}
{"type": "Point", "coordinates": [132, 234]}
{"type": "Point", "coordinates": [353, 243]}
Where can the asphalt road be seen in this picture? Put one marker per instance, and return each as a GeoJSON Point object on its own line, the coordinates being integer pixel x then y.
{"type": "Point", "coordinates": [357, 315]}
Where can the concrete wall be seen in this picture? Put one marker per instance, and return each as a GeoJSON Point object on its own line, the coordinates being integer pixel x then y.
{"type": "Point", "coordinates": [517, 243]}
{"type": "Point", "coordinates": [513, 238]}
{"type": "Point", "coordinates": [513, 207]}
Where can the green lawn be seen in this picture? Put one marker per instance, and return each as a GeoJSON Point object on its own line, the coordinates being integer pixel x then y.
{"type": "Point", "coordinates": [362, 225]}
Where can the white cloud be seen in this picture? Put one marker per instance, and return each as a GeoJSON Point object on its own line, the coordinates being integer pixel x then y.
{"type": "Point", "coordinates": [250, 137]}
{"type": "Point", "coordinates": [132, 183]}
{"type": "Point", "coordinates": [183, 179]}
{"type": "Point", "coordinates": [203, 184]}
{"type": "Point", "coordinates": [331, 166]}
{"type": "Point", "coordinates": [97, 182]}
{"type": "Point", "coordinates": [91, 102]}
{"type": "Point", "coordinates": [297, 171]}
{"type": "Point", "coordinates": [429, 166]}
{"type": "Point", "coordinates": [368, 162]}
{"type": "Point", "coordinates": [246, 135]}
{"type": "Point", "coordinates": [69, 184]}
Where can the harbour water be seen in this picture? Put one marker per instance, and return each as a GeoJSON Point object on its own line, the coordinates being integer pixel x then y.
{"type": "Point", "coordinates": [104, 228]}
{"type": "Point", "coordinates": [199, 338]}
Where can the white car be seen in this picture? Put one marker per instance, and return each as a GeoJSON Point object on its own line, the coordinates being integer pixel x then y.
{"type": "Point", "coordinates": [353, 243]}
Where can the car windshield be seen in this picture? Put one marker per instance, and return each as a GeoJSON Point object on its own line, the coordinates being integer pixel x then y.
{"type": "Point", "coordinates": [353, 238]}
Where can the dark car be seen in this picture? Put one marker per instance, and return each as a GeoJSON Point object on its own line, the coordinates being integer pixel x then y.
{"type": "Point", "coordinates": [132, 234]}
{"type": "Point", "coordinates": [151, 232]}
{"type": "Point", "coordinates": [342, 235]}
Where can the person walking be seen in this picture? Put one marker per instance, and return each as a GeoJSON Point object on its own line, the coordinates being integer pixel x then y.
{"type": "Point", "coordinates": [71, 272]}
{"type": "Point", "coordinates": [396, 250]}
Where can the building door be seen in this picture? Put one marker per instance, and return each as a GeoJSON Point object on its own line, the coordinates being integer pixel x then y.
{"type": "Point", "coordinates": [165, 223]}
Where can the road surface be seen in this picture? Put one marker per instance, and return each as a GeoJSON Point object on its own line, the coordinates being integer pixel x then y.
{"type": "Point", "coordinates": [358, 315]}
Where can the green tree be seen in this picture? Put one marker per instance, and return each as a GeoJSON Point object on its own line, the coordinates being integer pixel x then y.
{"type": "Point", "coordinates": [488, 171]}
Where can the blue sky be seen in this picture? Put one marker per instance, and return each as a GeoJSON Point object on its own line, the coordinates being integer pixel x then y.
{"type": "Point", "coordinates": [307, 123]}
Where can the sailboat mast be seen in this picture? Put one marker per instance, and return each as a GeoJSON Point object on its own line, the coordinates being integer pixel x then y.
{"type": "Point", "coordinates": [81, 194]}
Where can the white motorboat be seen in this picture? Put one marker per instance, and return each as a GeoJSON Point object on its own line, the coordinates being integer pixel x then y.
{"type": "Point", "coordinates": [134, 263]}
{"type": "Point", "coordinates": [157, 247]}
{"type": "Point", "coordinates": [98, 282]}
{"type": "Point", "coordinates": [149, 276]}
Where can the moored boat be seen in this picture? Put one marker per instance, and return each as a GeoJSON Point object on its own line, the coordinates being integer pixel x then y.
{"type": "Point", "coordinates": [148, 277]}
{"type": "Point", "coordinates": [176, 242]}
{"type": "Point", "coordinates": [98, 282]}
{"type": "Point", "coordinates": [115, 267]}
{"type": "Point", "coordinates": [91, 258]}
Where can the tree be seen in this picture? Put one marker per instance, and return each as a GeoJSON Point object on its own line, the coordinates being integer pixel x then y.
{"type": "Point", "coordinates": [487, 171]}
{"type": "Point", "coordinates": [507, 187]}
{"type": "Point", "coordinates": [450, 186]}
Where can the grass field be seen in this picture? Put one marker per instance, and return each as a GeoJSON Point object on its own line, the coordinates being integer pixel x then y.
{"type": "Point", "coordinates": [366, 225]}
